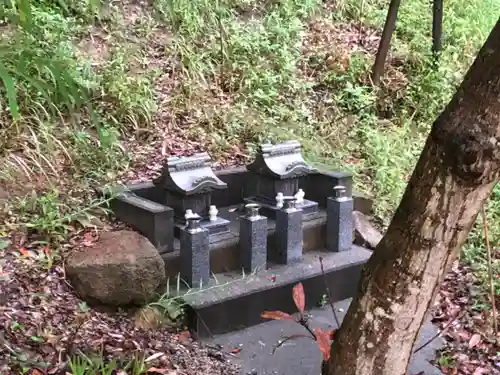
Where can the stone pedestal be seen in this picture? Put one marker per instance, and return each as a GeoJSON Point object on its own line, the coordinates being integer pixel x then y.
{"type": "Point", "coordinates": [194, 253]}
{"type": "Point", "coordinates": [289, 233]}
{"type": "Point", "coordinates": [339, 225]}
{"type": "Point", "coordinates": [253, 239]}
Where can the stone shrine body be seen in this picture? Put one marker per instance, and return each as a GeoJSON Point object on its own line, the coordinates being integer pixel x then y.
{"type": "Point", "coordinates": [270, 222]}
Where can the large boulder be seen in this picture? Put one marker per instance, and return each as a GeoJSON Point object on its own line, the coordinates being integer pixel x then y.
{"type": "Point", "coordinates": [121, 268]}
{"type": "Point", "coordinates": [365, 233]}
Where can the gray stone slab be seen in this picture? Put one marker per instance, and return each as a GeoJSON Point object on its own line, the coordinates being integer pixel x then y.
{"type": "Point", "coordinates": [253, 240]}
{"type": "Point", "coordinates": [151, 219]}
{"type": "Point", "coordinates": [289, 237]}
{"type": "Point", "coordinates": [339, 223]}
{"type": "Point", "coordinates": [195, 255]}
{"type": "Point", "coordinates": [309, 268]}
{"type": "Point", "coordinates": [302, 356]}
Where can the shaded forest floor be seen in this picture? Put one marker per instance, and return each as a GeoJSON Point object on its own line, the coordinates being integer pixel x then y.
{"type": "Point", "coordinates": [106, 90]}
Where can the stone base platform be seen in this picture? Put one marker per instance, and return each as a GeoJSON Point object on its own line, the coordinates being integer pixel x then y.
{"type": "Point", "coordinates": [234, 302]}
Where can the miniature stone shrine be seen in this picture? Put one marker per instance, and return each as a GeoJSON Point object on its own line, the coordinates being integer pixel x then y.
{"type": "Point", "coordinates": [277, 170]}
{"type": "Point", "coordinates": [188, 183]}
{"type": "Point", "coordinates": [270, 221]}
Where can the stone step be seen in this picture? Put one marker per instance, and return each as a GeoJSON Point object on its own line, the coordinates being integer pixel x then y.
{"type": "Point", "coordinates": [237, 302]}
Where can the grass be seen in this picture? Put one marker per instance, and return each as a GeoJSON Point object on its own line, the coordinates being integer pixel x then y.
{"type": "Point", "coordinates": [87, 86]}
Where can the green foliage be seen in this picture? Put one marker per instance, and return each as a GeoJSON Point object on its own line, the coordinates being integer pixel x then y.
{"type": "Point", "coordinates": [51, 215]}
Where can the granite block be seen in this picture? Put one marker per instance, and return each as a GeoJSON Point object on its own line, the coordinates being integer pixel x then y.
{"type": "Point", "coordinates": [289, 236]}
{"type": "Point", "coordinates": [194, 254]}
{"type": "Point", "coordinates": [153, 220]}
{"type": "Point", "coordinates": [339, 223]}
{"type": "Point", "coordinates": [253, 240]}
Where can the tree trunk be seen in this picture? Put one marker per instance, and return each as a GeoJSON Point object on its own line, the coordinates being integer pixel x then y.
{"type": "Point", "coordinates": [437, 27]}
{"type": "Point", "coordinates": [458, 168]}
{"type": "Point", "coordinates": [385, 41]}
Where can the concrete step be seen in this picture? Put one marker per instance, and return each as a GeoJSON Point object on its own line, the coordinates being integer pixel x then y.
{"type": "Point", "coordinates": [257, 351]}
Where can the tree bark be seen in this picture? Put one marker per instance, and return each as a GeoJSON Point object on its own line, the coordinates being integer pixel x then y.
{"type": "Point", "coordinates": [437, 27]}
{"type": "Point", "coordinates": [458, 168]}
{"type": "Point", "coordinates": [385, 41]}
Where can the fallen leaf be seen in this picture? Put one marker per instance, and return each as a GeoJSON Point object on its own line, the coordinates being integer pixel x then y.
{"type": "Point", "coordinates": [480, 371]}
{"type": "Point", "coordinates": [184, 335]}
{"type": "Point", "coordinates": [162, 371]}
{"type": "Point", "coordinates": [88, 239]}
{"type": "Point", "coordinates": [153, 357]}
{"type": "Point", "coordinates": [299, 297]}
{"type": "Point", "coordinates": [323, 340]}
{"type": "Point", "coordinates": [276, 315]}
{"type": "Point", "coordinates": [236, 350]}
{"type": "Point", "coordinates": [24, 252]}
{"type": "Point", "coordinates": [474, 340]}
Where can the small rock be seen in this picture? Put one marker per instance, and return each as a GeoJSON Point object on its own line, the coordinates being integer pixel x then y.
{"type": "Point", "coordinates": [365, 234]}
{"type": "Point", "coordinates": [149, 318]}
{"type": "Point", "coordinates": [121, 268]}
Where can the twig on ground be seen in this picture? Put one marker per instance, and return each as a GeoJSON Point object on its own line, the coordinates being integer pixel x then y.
{"type": "Point", "coordinates": [69, 349]}
{"type": "Point", "coordinates": [445, 328]}
{"type": "Point", "coordinates": [288, 338]}
{"type": "Point", "coordinates": [329, 295]}
{"type": "Point", "coordinates": [490, 271]}
{"type": "Point", "coordinates": [303, 323]}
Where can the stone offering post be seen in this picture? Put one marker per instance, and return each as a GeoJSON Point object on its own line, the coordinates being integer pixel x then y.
{"type": "Point", "coordinates": [289, 236]}
{"type": "Point", "coordinates": [194, 253]}
{"type": "Point", "coordinates": [253, 239]}
{"type": "Point", "coordinates": [339, 225]}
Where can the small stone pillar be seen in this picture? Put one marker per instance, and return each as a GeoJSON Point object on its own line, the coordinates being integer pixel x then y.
{"type": "Point", "coordinates": [289, 234]}
{"type": "Point", "coordinates": [339, 225]}
{"type": "Point", "coordinates": [194, 253]}
{"type": "Point", "coordinates": [253, 239]}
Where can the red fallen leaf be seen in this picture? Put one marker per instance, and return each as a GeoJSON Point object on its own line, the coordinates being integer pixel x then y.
{"type": "Point", "coordinates": [323, 340]}
{"type": "Point", "coordinates": [474, 340]}
{"type": "Point", "coordinates": [88, 239]}
{"type": "Point", "coordinates": [47, 250]}
{"type": "Point", "coordinates": [24, 252]}
{"type": "Point", "coordinates": [276, 315]}
{"type": "Point", "coordinates": [235, 350]}
{"type": "Point", "coordinates": [35, 372]}
{"type": "Point", "coordinates": [298, 297]}
{"type": "Point", "coordinates": [331, 334]}
{"type": "Point", "coordinates": [184, 335]}
{"type": "Point", "coordinates": [272, 278]}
